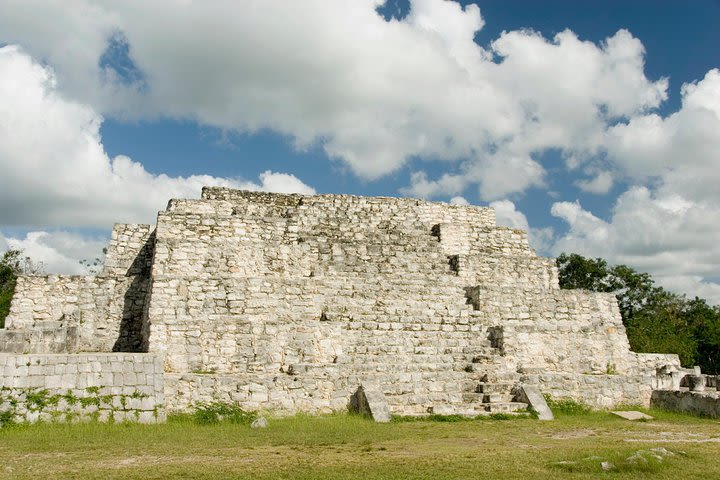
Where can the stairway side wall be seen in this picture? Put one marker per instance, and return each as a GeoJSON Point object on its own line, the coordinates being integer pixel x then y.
{"type": "Point", "coordinates": [68, 313]}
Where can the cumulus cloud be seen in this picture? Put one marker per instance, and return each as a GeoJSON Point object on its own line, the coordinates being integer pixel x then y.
{"type": "Point", "coordinates": [446, 185]}
{"type": "Point", "coordinates": [601, 183]}
{"type": "Point", "coordinates": [60, 251]}
{"type": "Point", "coordinates": [669, 226]}
{"type": "Point", "coordinates": [507, 215]}
{"type": "Point", "coordinates": [56, 172]}
{"type": "Point", "coordinates": [459, 201]}
{"type": "Point", "coordinates": [671, 238]}
{"type": "Point", "coordinates": [373, 93]}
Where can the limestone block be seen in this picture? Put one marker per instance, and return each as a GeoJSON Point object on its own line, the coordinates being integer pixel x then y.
{"type": "Point", "coordinates": [632, 415]}
{"type": "Point", "coordinates": [369, 401]}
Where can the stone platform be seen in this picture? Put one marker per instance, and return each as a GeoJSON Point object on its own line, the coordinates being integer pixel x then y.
{"type": "Point", "coordinates": [288, 303]}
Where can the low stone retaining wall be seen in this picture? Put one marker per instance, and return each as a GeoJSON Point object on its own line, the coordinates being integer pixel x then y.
{"type": "Point", "coordinates": [102, 386]}
{"type": "Point", "coordinates": [597, 391]}
{"type": "Point", "coordinates": [700, 403]}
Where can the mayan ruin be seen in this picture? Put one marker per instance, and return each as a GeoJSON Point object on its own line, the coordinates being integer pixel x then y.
{"type": "Point", "coordinates": [291, 303]}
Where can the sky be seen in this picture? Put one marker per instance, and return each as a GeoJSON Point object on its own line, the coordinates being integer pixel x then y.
{"type": "Point", "coordinates": [593, 125]}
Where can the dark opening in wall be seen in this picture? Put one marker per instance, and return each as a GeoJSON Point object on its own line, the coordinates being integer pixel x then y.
{"type": "Point", "coordinates": [435, 231]}
{"type": "Point", "coordinates": [454, 262]}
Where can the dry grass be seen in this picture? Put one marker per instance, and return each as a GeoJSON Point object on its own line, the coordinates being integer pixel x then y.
{"type": "Point", "coordinates": [345, 446]}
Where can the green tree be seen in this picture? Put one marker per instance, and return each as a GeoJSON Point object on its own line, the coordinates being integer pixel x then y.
{"type": "Point", "coordinates": [656, 320]}
{"type": "Point", "coordinates": [12, 264]}
{"type": "Point", "coordinates": [705, 322]}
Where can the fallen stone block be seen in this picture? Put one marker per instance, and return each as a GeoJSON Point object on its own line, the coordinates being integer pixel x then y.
{"type": "Point", "coordinates": [632, 415]}
{"type": "Point", "coordinates": [372, 402]}
{"type": "Point", "coordinates": [531, 395]}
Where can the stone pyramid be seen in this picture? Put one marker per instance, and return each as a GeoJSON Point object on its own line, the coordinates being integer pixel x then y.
{"type": "Point", "coordinates": [288, 303]}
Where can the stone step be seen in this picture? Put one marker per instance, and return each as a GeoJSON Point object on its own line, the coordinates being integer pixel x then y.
{"type": "Point", "coordinates": [478, 409]}
{"type": "Point", "coordinates": [504, 407]}
{"type": "Point", "coordinates": [412, 348]}
{"type": "Point", "coordinates": [482, 398]}
{"type": "Point", "coordinates": [489, 387]}
{"type": "Point", "coordinates": [356, 358]}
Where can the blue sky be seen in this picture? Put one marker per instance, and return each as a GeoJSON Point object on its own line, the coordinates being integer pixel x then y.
{"type": "Point", "coordinates": [594, 125]}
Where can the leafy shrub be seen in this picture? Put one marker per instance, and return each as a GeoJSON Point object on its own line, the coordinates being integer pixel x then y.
{"type": "Point", "coordinates": [207, 413]}
{"type": "Point", "coordinates": [566, 406]}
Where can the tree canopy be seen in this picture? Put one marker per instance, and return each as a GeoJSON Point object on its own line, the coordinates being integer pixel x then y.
{"type": "Point", "coordinates": [656, 320]}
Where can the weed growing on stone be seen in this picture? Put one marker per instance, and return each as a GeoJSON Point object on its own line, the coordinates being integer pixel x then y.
{"type": "Point", "coordinates": [566, 406]}
{"type": "Point", "coordinates": [208, 413]}
{"type": "Point", "coordinates": [17, 404]}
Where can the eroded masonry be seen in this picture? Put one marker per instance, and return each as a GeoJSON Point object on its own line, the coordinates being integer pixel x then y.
{"type": "Point", "coordinates": [289, 303]}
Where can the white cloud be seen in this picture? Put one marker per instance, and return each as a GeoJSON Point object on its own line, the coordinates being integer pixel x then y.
{"type": "Point", "coordinates": [670, 227]}
{"type": "Point", "coordinates": [56, 172]}
{"type": "Point", "coordinates": [280, 183]}
{"type": "Point", "coordinates": [446, 185]}
{"type": "Point", "coordinates": [667, 236]}
{"type": "Point", "coordinates": [59, 251]}
{"type": "Point", "coordinates": [459, 201]}
{"type": "Point", "coordinates": [373, 93]}
{"type": "Point", "coordinates": [682, 149]}
{"type": "Point", "coordinates": [507, 214]}
{"type": "Point", "coordinates": [601, 183]}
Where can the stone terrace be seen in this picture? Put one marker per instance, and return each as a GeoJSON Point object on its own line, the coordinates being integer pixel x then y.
{"type": "Point", "coordinates": [288, 303]}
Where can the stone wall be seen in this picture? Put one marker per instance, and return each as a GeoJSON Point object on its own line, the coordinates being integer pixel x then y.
{"type": "Point", "coordinates": [289, 303]}
{"type": "Point", "coordinates": [130, 250]}
{"type": "Point", "coordinates": [698, 403]}
{"type": "Point", "coordinates": [64, 314]}
{"type": "Point", "coordinates": [118, 386]}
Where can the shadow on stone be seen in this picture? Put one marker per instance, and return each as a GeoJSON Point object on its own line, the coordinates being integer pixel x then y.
{"type": "Point", "coordinates": [371, 402]}
{"type": "Point", "coordinates": [132, 328]}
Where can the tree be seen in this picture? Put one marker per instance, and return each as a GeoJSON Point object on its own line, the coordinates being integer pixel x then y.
{"type": "Point", "coordinates": [656, 320]}
{"type": "Point", "coordinates": [12, 264]}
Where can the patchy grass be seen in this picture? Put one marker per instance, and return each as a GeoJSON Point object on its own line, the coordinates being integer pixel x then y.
{"type": "Point", "coordinates": [350, 446]}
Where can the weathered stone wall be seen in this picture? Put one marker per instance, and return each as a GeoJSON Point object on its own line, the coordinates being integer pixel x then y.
{"type": "Point", "coordinates": [118, 386]}
{"type": "Point", "coordinates": [130, 250]}
{"type": "Point", "coordinates": [698, 403]}
{"type": "Point", "coordinates": [63, 314]}
{"type": "Point", "coordinates": [598, 391]}
{"type": "Point", "coordinates": [289, 303]}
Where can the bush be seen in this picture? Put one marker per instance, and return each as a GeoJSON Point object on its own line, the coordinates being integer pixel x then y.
{"type": "Point", "coordinates": [566, 406]}
{"type": "Point", "coordinates": [215, 412]}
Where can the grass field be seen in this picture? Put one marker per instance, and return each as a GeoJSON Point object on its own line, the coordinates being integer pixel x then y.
{"type": "Point", "coordinates": [345, 446]}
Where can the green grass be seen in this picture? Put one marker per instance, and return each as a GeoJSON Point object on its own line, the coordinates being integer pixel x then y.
{"type": "Point", "coordinates": [351, 446]}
